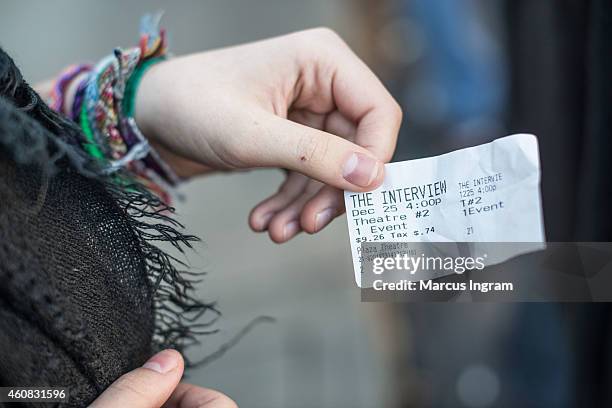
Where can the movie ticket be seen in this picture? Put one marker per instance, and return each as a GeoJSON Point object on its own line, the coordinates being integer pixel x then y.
{"type": "Point", "coordinates": [486, 193]}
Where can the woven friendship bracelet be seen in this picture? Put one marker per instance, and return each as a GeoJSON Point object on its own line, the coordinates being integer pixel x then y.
{"type": "Point", "coordinates": [104, 107]}
{"type": "Point", "coordinates": [56, 99]}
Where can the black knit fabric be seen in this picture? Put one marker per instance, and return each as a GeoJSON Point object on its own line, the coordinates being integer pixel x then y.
{"type": "Point", "coordinates": [75, 303]}
{"type": "Point", "coordinates": [85, 296]}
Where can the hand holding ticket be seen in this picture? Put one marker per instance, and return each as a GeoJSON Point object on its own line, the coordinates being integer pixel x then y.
{"type": "Point", "coordinates": [486, 193]}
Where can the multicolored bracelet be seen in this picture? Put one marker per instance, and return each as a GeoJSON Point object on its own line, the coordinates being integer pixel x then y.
{"type": "Point", "coordinates": [56, 99]}
{"type": "Point", "coordinates": [104, 107]}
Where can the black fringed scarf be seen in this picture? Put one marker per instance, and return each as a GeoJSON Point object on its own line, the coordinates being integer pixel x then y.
{"type": "Point", "coordinates": [85, 295]}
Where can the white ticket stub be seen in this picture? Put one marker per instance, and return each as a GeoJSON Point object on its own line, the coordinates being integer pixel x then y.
{"type": "Point", "coordinates": [486, 193]}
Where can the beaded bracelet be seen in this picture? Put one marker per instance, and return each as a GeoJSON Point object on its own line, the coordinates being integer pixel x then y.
{"type": "Point", "coordinates": [104, 107]}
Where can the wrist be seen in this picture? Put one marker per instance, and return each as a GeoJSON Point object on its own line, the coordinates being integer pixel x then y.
{"type": "Point", "coordinates": [142, 94]}
{"type": "Point", "coordinates": [150, 116]}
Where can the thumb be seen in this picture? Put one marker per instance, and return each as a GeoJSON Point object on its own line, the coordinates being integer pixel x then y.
{"type": "Point", "coordinates": [146, 387]}
{"type": "Point", "coordinates": [323, 156]}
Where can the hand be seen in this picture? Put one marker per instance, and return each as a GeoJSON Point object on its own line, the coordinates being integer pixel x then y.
{"type": "Point", "coordinates": [156, 384]}
{"type": "Point", "coordinates": [303, 102]}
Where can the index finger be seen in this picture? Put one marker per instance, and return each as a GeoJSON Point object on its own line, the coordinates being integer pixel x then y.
{"type": "Point", "coordinates": [362, 98]}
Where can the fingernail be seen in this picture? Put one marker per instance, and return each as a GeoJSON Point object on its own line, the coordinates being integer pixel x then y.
{"type": "Point", "coordinates": [323, 217]}
{"type": "Point", "coordinates": [162, 362]}
{"type": "Point", "coordinates": [264, 220]}
{"type": "Point", "coordinates": [290, 229]}
{"type": "Point", "coordinates": [360, 169]}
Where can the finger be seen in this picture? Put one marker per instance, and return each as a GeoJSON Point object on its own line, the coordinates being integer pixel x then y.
{"type": "Point", "coordinates": [192, 396]}
{"type": "Point", "coordinates": [338, 124]}
{"type": "Point", "coordinates": [308, 118]}
{"type": "Point", "coordinates": [333, 122]}
{"type": "Point", "coordinates": [286, 223]}
{"type": "Point", "coordinates": [361, 97]}
{"type": "Point", "coordinates": [323, 207]}
{"type": "Point", "coordinates": [328, 203]}
{"type": "Point", "coordinates": [146, 387]}
{"type": "Point", "coordinates": [355, 91]}
{"type": "Point", "coordinates": [378, 116]}
{"type": "Point", "coordinates": [263, 212]}
{"type": "Point", "coordinates": [317, 154]}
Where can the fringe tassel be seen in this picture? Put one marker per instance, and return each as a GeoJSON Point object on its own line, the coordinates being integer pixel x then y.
{"type": "Point", "coordinates": [177, 311]}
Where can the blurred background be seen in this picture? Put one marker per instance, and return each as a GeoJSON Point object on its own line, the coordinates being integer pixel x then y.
{"type": "Point", "coordinates": [465, 72]}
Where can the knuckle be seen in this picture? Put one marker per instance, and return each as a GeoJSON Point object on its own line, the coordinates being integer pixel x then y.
{"type": "Point", "coordinates": [320, 36]}
{"type": "Point", "coordinates": [319, 45]}
{"type": "Point", "coordinates": [326, 33]}
{"type": "Point", "coordinates": [399, 113]}
{"type": "Point", "coordinates": [396, 112]}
